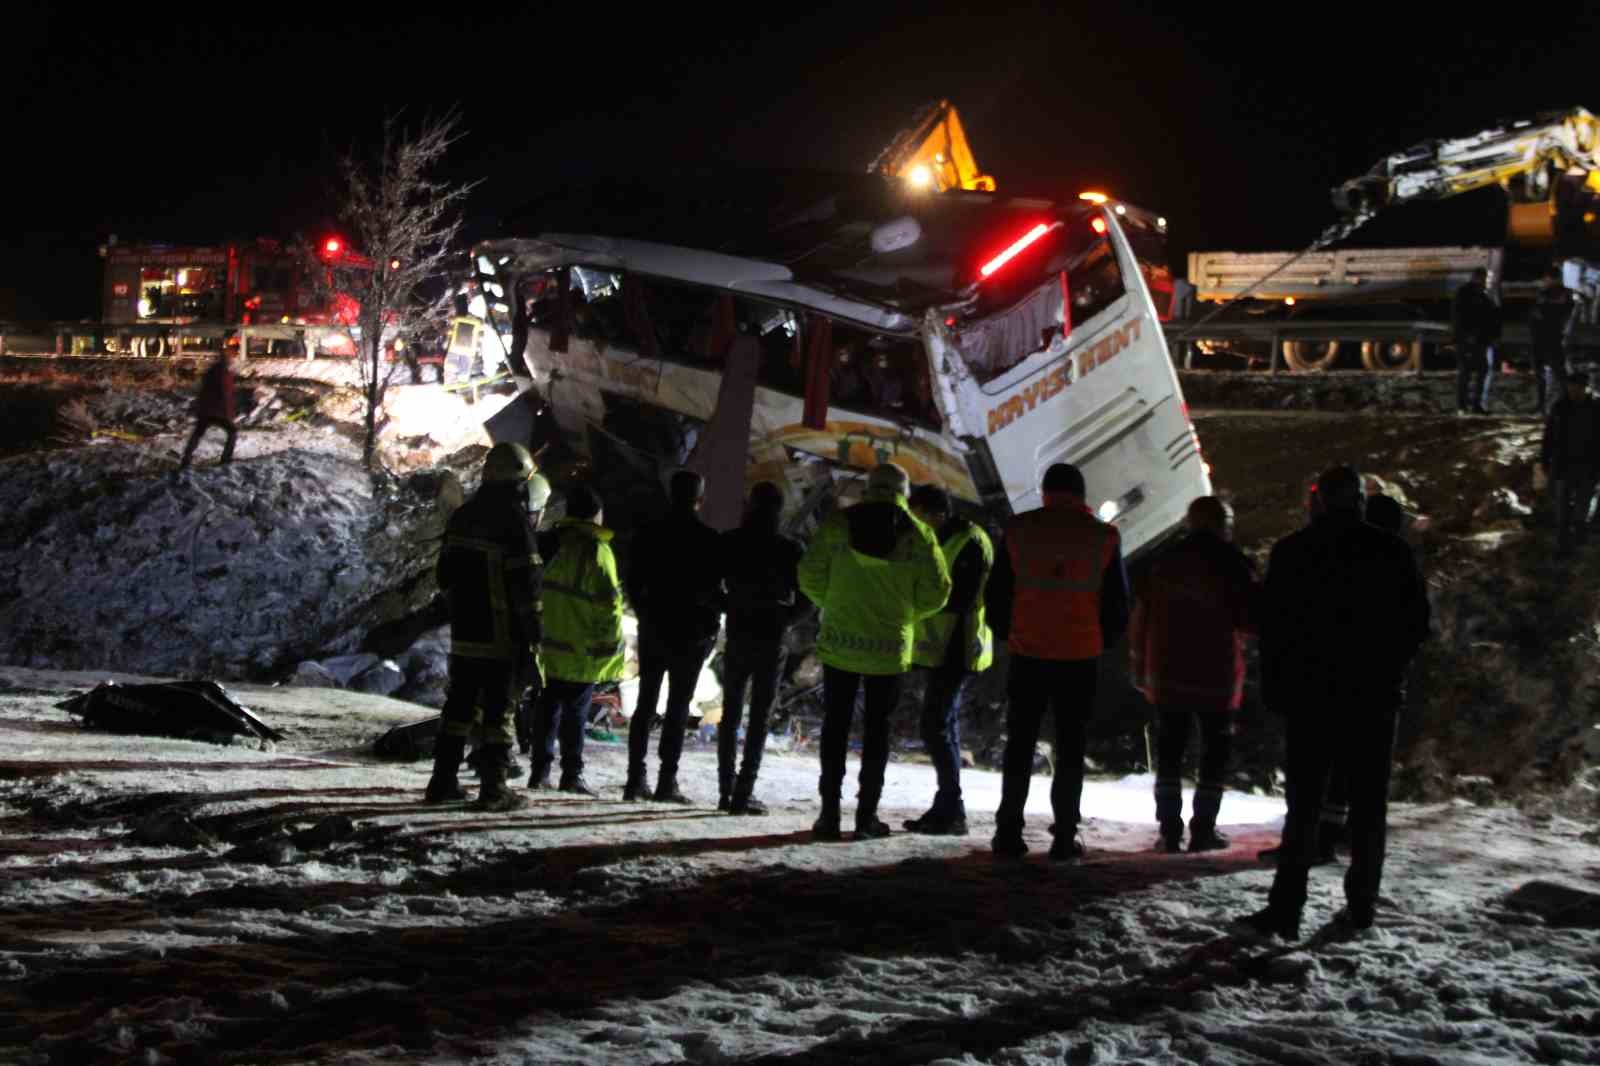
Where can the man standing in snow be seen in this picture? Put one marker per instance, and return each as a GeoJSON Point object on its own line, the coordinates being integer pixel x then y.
{"type": "Point", "coordinates": [490, 569]}
{"type": "Point", "coordinates": [1550, 321]}
{"type": "Point", "coordinates": [214, 406]}
{"type": "Point", "coordinates": [582, 644]}
{"type": "Point", "coordinates": [1344, 610]}
{"type": "Point", "coordinates": [1194, 607]}
{"type": "Point", "coordinates": [875, 570]}
{"type": "Point", "coordinates": [760, 570]}
{"type": "Point", "coordinates": [675, 585]}
{"type": "Point", "coordinates": [1570, 456]}
{"type": "Point", "coordinates": [1476, 318]}
{"type": "Point", "coordinates": [1059, 596]}
{"type": "Point", "coordinates": [952, 646]}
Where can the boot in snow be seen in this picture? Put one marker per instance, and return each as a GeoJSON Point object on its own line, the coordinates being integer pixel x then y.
{"type": "Point", "coordinates": [637, 788]}
{"type": "Point", "coordinates": [443, 786]}
{"type": "Point", "coordinates": [667, 792]}
{"type": "Point", "coordinates": [826, 827]}
{"type": "Point", "coordinates": [493, 793]}
{"type": "Point", "coordinates": [577, 786]}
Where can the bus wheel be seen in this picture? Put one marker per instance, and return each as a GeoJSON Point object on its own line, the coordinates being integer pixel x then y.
{"type": "Point", "coordinates": [1391, 355]}
{"type": "Point", "coordinates": [113, 345]}
{"type": "Point", "coordinates": [1310, 356]}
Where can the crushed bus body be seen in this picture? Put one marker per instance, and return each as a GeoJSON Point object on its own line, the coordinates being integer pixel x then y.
{"type": "Point", "coordinates": [829, 323]}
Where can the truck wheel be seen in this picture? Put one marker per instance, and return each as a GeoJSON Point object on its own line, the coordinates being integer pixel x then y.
{"type": "Point", "coordinates": [113, 345]}
{"type": "Point", "coordinates": [1310, 356]}
{"type": "Point", "coordinates": [150, 347]}
{"type": "Point", "coordinates": [1391, 355]}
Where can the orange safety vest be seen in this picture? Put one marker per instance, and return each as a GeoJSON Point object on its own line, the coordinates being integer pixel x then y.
{"type": "Point", "coordinates": [1059, 557]}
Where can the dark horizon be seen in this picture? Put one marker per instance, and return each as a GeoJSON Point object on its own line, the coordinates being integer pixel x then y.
{"type": "Point", "coordinates": [1234, 123]}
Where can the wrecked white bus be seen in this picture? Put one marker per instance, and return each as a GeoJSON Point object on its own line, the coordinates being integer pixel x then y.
{"type": "Point", "coordinates": [804, 334]}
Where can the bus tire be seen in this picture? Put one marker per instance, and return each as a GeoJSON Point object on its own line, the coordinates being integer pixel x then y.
{"type": "Point", "coordinates": [1310, 357]}
{"type": "Point", "coordinates": [1391, 355]}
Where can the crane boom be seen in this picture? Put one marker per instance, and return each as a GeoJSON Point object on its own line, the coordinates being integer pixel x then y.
{"type": "Point", "coordinates": [1528, 158]}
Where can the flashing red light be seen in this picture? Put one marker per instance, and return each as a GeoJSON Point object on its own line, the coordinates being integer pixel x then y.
{"type": "Point", "coordinates": [1015, 250]}
{"type": "Point", "coordinates": [951, 321]}
{"type": "Point", "coordinates": [1098, 225]}
{"type": "Point", "coordinates": [332, 246]}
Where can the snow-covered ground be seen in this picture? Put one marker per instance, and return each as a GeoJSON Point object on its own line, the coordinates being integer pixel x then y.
{"type": "Point", "coordinates": [601, 932]}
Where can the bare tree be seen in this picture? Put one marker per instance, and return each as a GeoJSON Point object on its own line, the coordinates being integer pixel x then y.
{"type": "Point", "coordinates": [391, 284]}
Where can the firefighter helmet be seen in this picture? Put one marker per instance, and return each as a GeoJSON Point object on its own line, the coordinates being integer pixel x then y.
{"type": "Point", "coordinates": [508, 462]}
{"type": "Point", "coordinates": [538, 493]}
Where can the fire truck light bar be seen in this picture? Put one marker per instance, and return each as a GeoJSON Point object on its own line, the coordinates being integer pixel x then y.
{"type": "Point", "coordinates": [1015, 250]}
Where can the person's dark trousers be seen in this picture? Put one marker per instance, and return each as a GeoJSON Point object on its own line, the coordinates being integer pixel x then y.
{"type": "Point", "coordinates": [1335, 806]}
{"type": "Point", "coordinates": [941, 735]}
{"type": "Point", "coordinates": [1034, 686]}
{"type": "Point", "coordinates": [756, 666]}
{"type": "Point", "coordinates": [1550, 374]}
{"type": "Point", "coordinates": [201, 424]}
{"type": "Point", "coordinates": [1362, 741]}
{"type": "Point", "coordinates": [1173, 725]}
{"type": "Point", "coordinates": [479, 683]}
{"type": "Point", "coordinates": [1474, 375]}
{"type": "Point", "coordinates": [563, 711]}
{"type": "Point", "coordinates": [680, 667]}
{"type": "Point", "coordinates": [839, 689]}
{"type": "Point", "coordinates": [1574, 492]}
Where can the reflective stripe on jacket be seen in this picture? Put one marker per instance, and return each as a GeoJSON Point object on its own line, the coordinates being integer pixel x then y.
{"type": "Point", "coordinates": [1059, 556]}
{"type": "Point", "coordinates": [489, 568]}
{"type": "Point", "coordinates": [934, 633]}
{"type": "Point", "coordinates": [582, 606]}
{"type": "Point", "coordinates": [870, 603]}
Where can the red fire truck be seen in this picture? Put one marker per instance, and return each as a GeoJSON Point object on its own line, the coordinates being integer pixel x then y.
{"type": "Point", "coordinates": [163, 299]}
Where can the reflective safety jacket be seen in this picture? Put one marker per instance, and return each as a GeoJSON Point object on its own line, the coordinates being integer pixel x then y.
{"type": "Point", "coordinates": [875, 571]}
{"type": "Point", "coordinates": [969, 554]}
{"type": "Point", "coordinates": [582, 604]}
{"type": "Point", "coordinates": [489, 568]}
{"type": "Point", "coordinates": [1065, 583]}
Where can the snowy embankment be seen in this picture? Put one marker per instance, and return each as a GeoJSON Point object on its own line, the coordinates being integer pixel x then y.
{"type": "Point", "coordinates": [316, 912]}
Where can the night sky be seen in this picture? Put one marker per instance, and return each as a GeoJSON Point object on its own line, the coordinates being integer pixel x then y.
{"type": "Point", "coordinates": [174, 122]}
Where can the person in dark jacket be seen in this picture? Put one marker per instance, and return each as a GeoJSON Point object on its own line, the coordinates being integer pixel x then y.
{"type": "Point", "coordinates": [1570, 456]}
{"type": "Point", "coordinates": [1333, 829]}
{"type": "Point", "coordinates": [214, 406]}
{"type": "Point", "coordinates": [1343, 611]}
{"type": "Point", "coordinates": [1550, 322]}
{"type": "Point", "coordinates": [489, 567]}
{"type": "Point", "coordinates": [1195, 605]}
{"type": "Point", "coordinates": [1059, 598]}
{"type": "Point", "coordinates": [760, 575]}
{"type": "Point", "coordinates": [1476, 320]}
{"type": "Point", "coordinates": [953, 647]}
{"type": "Point", "coordinates": [674, 581]}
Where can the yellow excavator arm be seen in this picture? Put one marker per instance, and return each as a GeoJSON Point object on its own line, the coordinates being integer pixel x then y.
{"type": "Point", "coordinates": [932, 153]}
{"type": "Point", "coordinates": [1527, 158]}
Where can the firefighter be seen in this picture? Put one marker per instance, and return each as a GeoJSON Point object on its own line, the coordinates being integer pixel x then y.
{"type": "Point", "coordinates": [214, 406]}
{"type": "Point", "coordinates": [760, 572]}
{"type": "Point", "coordinates": [1343, 610]}
{"type": "Point", "coordinates": [952, 646]}
{"type": "Point", "coordinates": [1059, 597]}
{"type": "Point", "coordinates": [875, 570]}
{"type": "Point", "coordinates": [582, 644]}
{"type": "Point", "coordinates": [490, 569]}
{"type": "Point", "coordinates": [1476, 320]}
{"type": "Point", "coordinates": [1551, 322]}
{"type": "Point", "coordinates": [675, 584]}
{"type": "Point", "coordinates": [1570, 456]}
{"type": "Point", "coordinates": [1193, 610]}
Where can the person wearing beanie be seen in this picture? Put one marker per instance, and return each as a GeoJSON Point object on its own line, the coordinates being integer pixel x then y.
{"type": "Point", "coordinates": [582, 644]}
{"type": "Point", "coordinates": [760, 573]}
{"type": "Point", "coordinates": [674, 582]}
{"type": "Point", "coordinates": [1059, 597]}
{"type": "Point", "coordinates": [874, 570]}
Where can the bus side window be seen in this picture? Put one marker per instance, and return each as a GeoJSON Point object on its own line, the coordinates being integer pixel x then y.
{"type": "Point", "coordinates": [1094, 282]}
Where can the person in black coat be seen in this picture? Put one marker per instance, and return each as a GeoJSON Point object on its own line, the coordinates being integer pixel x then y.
{"type": "Point", "coordinates": [674, 582]}
{"type": "Point", "coordinates": [1476, 318]}
{"type": "Point", "coordinates": [1344, 609]}
{"type": "Point", "coordinates": [1550, 321]}
{"type": "Point", "coordinates": [759, 573]}
{"type": "Point", "coordinates": [1570, 456]}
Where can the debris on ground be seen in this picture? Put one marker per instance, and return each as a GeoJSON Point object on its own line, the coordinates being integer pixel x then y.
{"type": "Point", "coordinates": [196, 710]}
